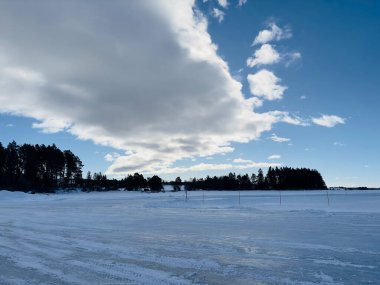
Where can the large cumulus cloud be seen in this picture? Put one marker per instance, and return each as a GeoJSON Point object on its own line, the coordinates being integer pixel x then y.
{"type": "Point", "coordinates": [141, 76]}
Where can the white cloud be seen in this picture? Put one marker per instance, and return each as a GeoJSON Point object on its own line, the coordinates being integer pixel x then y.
{"type": "Point", "coordinates": [265, 84]}
{"type": "Point", "coordinates": [143, 79]}
{"type": "Point", "coordinates": [51, 125]}
{"type": "Point", "coordinates": [218, 14]}
{"type": "Point", "coordinates": [111, 156]}
{"type": "Point", "coordinates": [273, 33]}
{"type": "Point", "coordinates": [266, 54]}
{"type": "Point", "coordinates": [303, 97]}
{"type": "Point", "coordinates": [240, 160]}
{"type": "Point", "coordinates": [295, 120]}
{"type": "Point", "coordinates": [223, 3]}
{"type": "Point", "coordinates": [242, 2]}
{"type": "Point", "coordinates": [276, 138]}
{"type": "Point", "coordinates": [218, 166]}
{"type": "Point", "coordinates": [274, 156]}
{"type": "Point", "coordinates": [256, 102]}
{"type": "Point", "coordinates": [328, 121]}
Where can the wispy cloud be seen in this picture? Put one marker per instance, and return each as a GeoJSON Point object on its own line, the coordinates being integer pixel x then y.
{"type": "Point", "coordinates": [218, 14]}
{"type": "Point", "coordinates": [219, 166]}
{"type": "Point", "coordinates": [241, 2]}
{"type": "Point", "coordinates": [240, 160]}
{"type": "Point", "coordinates": [223, 3]}
{"type": "Point", "coordinates": [276, 138]}
{"type": "Point", "coordinates": [111, 156]}
{"type": "Point", "coordinates": [328, 121]}
{"type": "Point", "coordinates": [294, 120]}
{"type": "Point", "coordinates": [291, 58]}
{"type": "Point", "coordinates": [274, 156]}
{"type": "Point", "coordinates": [24, 75]}
{"type": "Point", "coordinates": [272, 33]}
{"type": "Point", "coordinates": [52, 125]}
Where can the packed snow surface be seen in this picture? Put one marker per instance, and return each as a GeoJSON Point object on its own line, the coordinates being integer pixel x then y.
{"type": "Point", "coordinates": [302, 237]}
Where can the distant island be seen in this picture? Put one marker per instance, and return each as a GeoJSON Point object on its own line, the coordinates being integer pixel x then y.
{"type": "Point", "coordinates": [44, 169]}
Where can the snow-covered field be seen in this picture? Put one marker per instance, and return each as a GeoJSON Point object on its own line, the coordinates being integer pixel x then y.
{"type": "Point", "coordinates": [140, 238]}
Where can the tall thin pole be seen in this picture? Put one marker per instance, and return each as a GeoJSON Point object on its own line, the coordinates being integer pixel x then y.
{"type": "Point", "coordinates": [239, 198]}
{"type": "Point", "coordinates": [280, 198]}
{"type": "Point", "coordinates": [328, 198]}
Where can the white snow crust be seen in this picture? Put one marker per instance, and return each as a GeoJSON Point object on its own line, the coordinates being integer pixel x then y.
{"type": "Point", "coordinates": [311, 237]}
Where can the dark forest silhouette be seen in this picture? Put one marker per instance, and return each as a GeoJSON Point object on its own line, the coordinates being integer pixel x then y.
{"type": "Point", "coordinates": [38, 167]}
{"type": "Point", "coordinates": [284, 178]}
{"type": "Point", "coordinates": [41, 168]}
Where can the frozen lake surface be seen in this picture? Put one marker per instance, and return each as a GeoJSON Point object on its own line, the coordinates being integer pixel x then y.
{"type": "Point", "coordinates": [140, 238]}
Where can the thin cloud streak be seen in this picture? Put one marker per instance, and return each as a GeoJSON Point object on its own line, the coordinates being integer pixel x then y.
{"type": "Point", "coordinates": [328, 121]}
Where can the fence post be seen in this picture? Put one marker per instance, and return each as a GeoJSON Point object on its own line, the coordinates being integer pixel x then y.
{"type": "Point", "coordinates": [328, 198]}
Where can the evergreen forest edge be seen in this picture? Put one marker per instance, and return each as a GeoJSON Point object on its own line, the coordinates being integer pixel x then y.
{"type": "Point", "coordinates": [44, 169]}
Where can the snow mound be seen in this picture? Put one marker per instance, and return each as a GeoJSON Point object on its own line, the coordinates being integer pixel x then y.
{"type": "Point", "coordinates": [8, 195]}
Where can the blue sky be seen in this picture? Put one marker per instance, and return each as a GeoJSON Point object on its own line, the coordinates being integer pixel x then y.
{"type": "Point", "coordinates": [160, 98]}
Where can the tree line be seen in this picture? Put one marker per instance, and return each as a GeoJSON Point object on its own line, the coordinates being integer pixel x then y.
{"type": "Point", "coordinates": [283, 178]}
{"type": "Point", "coordinates": [42, 168]}
{"type": "Point", "coordinates": [38, 167]}
{"type": "Point", "coordinates": [99, 182]}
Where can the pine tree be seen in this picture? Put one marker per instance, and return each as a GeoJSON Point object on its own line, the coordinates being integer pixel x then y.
{"type": "Point", "coordinates": [260, 180]}
{"type": "Point", "coordinates": [155, 184]}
